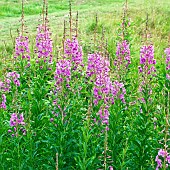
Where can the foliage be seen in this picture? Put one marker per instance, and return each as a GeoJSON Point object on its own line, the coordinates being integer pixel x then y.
{"type": "Point", "coordinates": [64, 105]}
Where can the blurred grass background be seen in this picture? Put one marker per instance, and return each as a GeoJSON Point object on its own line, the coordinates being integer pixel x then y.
{"type": "Point", "coordinates": [109, 15]}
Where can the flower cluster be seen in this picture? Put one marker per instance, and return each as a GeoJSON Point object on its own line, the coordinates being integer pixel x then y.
{"type": "Point", "coordinates": [6, 86]}
{"type": "Point", "coordinates": [147, 60]}
{"type": "Point", "coordinates": [147, 69]}
{"type": "Point", "coordinates": [94, 66]}
{"type": "Point", "coordinates": [164, 154]}
{"type": "Point", "coordinates": [73, 51]}
{"type": "Point", "coordinates": [62, 73]}
{"type": "Point", "coordinates": [118, 90]}
{"type": "Point", "coordinates": [22, 49]}
{"type": "Point", "coordinates": [104, 115]}
{"type": "Point", "coordinates": [167, 52]}
{"type": "Point", "coordinates": [44, 45]}
{"type": "Point", "coordinates": [17, 123]}
{"type": "Point", "coordinates": [15, 78]}
{"type": "Point", "coordinates": [108, 94]}
{"type": "Point", "coordinates": [104, 90]}
{"type": "Point", "coordinates": [3, 89]}
{"type": "Point", "coordinates": [3, 102]}
{"type": "Point", "coordinates": [123, 55]}
{"type": "Point", "coordinates": [71, 63]}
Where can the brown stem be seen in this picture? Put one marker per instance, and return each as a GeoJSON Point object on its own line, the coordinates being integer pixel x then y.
{"type": "Point", "coordinates": [105, 151]}
{"type": "Point", "coordinates": [64, 35]}
{"type": "Point", "coordinates": [146, 28]}
{"type": "Point", "coordinates": [46, 16]}
{"type": "Point", "coordinates": [70, 13]}
{"type": "Point", "coordinates": [22, 19]}
{"type": "Point", "coordinates": [43, 11]}
{"type": "Point", "coordinates": [77, 24]}
{"type": "Point", "coordinates": [95, 30]}
{"type": "Point", "coordinates": [56, 161]}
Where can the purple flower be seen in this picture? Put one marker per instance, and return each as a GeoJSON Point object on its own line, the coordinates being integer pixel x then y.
{"type": "Point", "coordinates": [167, 52]}
{"type": "Point", "coordinates": [73, 52]}
{"type": "Point", "coordinates": [159, 163]}
{"type": "Point", "coordinates": [51, 119]}
{"type": "Point", "coordinates": [164, 154]}
{"type": "Point", "coordinates": [15, 78]}
{"type": "Point", "coordinates": [104, 90]}
{"type": "Point", "coordinates": [62, 73]}
{"type": "Point", "coordinates": [147, 68]}
{"type": "Point", "coordinates": [44, 45]}
{"type": "Point", "coordinates": [22, 48]}
{"type": "Point", "coordinates": [3, 102]}
{"type": "Point", "coordinates": [168, 159]}
{"type": "Point", "coordinates": [16, 121]}
{"type": "Point", "coordinates": [111, 168]}
{"type": "Point", "coordinates": [123, 55]}
{"type": "Point", "coordinates": [9, 131]}
{"type": "Point", "coordinates": [147, 55]}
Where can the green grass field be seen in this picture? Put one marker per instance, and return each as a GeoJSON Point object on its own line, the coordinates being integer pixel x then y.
{"type": "Point", "coordinates": [109, 12]}
{"type": "Point", "coordinates": [109, 16]}
{"type": "Point", "coordinates": [71, 121]}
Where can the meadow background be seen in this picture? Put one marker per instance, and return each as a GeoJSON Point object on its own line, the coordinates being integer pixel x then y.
{"type": "Point", "coordinates": [67, 133]}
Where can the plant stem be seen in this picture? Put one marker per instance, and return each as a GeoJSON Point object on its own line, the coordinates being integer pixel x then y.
{"type": "Point", "coordinates": [105, 151]}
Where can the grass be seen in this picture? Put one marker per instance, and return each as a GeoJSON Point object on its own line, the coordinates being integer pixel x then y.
{"type": "Point", "coordinates": [109, 15]}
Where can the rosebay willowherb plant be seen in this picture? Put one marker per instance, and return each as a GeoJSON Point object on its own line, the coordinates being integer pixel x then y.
{"type": "Point", "coordinates": [123, 59]}
{"type": "Point", "coordinates": [105, 93]}
{"type": "Point", "coordinates": [3, 102]}
{"type": "Point", "coordinates": [167, 52]}
{"type": "Point", "coordinates": [147, 70]}
{"type": "Point", "coordinates": [104, 90]}
{"type": "Point", "coordinates": [44, 43]}
{"type": "Point", "coordinates": [163, 157]}
{"type": "Point", "coordinates": [22, 51]}
{"type": "Point", "coordinates": [123, 55]}
{"type": "Point", "coordinates": [166, 156]}
{"type": "Point", "coordinates": [5, 87]}
{"type": "Point", "coordinates": [44, 46]}
{"type": "Point", "coordinates": [17, 124]}
{"type": "Point", "coordinates": [145, 116]}
{"type": "Point", "coordinates": [73, 51]}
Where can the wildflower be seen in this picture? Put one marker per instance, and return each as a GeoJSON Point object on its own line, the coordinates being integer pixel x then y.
{"type": "Point", "coordinates": [159, 163]}
{"type": "Point", "coordinates": [51, 119]}
{"type": "Point", "coordinates": [73, 52]}
{"type": "Point", "coordinates": [22, 49]}
{"type": "Point", "coordinates": [147, 60]}
{"type": "Point", "coordinates": [123, 55]}
{"type": "Point", "coordinates": [146, 70]}
{"type": "Point", "coordinates": [111, 168]}
{"type": "Point", "coordinates": [17, 122]}
{"type": "Point", "coordinates": [164, 154]}
{"type": "Point", "coordinates": [167, 52]}
{"type": "Point", "coordinates": [14, 120]}
{"type": "Point", "coordinates": [15, 77]}
{"type": "Point", "coordinates": [147, 55]}
{"type": "Point", "coordinates": [104, 90]}
{"type": "Point", "coordinates": [62, 73]}
{"type": "Point", "coordinates": [43, 45]}
{"type": "Point", "coordinates": [3, 102]}
{"type": "Point", "coordinates": [168, 159]}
